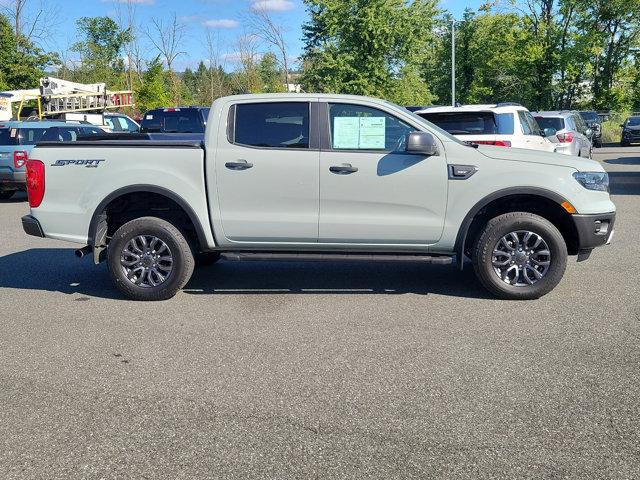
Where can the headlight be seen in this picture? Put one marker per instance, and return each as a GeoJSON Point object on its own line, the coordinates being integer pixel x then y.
{"type": "Point", "coordinates": [593, 180]}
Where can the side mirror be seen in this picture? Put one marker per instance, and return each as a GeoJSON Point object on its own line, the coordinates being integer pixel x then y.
{"type": "Point", "coordinates": [549, 132]}
{"type": "Point", "coordinates": [421, 143]}
{"type": "Point", "coordinates": [589, 132]}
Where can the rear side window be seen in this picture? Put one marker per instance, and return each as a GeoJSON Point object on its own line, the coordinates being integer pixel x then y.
{"type": "Point", "coordinates": [273, 125]}
{"type": "Point", "coordinates": [524, 123]}
{"type": "Point", "coordinates": [472, 123]}
{"type": "Point", "coordinates": [178, 121]}
{"type": "Point", "coordinates": [557, 123]}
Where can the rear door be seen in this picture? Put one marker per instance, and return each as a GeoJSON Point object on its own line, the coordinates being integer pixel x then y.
{"type": "Point", "coordinates": [371, 190]}
{"type": "Point", "coordinates": [267, 172]}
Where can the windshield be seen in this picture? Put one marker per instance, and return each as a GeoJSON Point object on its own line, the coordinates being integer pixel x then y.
{"type": "Point", "coordinates": [176, 121]}
{"type": "Point", "coordinates": [590, 116]}
{"type": "Point", "coordinates": [633, 122]}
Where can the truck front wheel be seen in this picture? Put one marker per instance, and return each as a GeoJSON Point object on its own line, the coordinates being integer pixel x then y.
{"type": "Point", "coordinates": [149, 259]}
{"type": "Point", "coordinates": [519, 256]}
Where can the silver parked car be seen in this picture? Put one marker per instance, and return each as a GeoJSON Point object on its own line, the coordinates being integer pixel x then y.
{"type": "Point", "coordinates": [574, 136]}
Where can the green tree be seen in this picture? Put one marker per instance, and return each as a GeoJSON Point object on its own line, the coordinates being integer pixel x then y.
{"type": "Point", "coordinates": [155, 90]}
{"type": "Point", "coordinates": [100, 48]}
{"type": "Point", "coordinates": [366, 46]}
{"type": "Point", "coordinates": [270, 75]}
{"type": "Point", "coordinates": [22, 67]}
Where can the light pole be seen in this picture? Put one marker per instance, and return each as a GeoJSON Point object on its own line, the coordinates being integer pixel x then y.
{"type": "Point", "coordinates": [453, 62]}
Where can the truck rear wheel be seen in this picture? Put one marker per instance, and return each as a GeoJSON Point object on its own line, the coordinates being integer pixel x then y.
{"type": "Point", "coordinates": [149, 259]}
{"type": "Point", "coordinates": [519, 256]}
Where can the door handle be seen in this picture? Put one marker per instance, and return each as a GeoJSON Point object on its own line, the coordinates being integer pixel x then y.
{"type": "Point", "coordinates": [239, 165]}
{"type": "Point", "coordinates": [344, 169]}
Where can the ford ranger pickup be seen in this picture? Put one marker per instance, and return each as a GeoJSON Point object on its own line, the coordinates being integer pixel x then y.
{"type": "Point", "coordinates": [318, 176]}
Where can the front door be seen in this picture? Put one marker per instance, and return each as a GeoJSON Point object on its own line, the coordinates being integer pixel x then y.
{"type": "Point", "coordinates": [267, 173]}
{"type": "Point", "coordinates": [371, 191]}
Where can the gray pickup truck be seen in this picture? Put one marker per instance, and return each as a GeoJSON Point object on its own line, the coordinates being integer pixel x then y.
{"type": "Point", "coordinates": [318, 177]}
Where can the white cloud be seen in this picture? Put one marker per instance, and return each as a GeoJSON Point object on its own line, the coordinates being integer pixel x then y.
{"type": "Point", "coordinates": [137, 2]}
{"type": "Point", "coordinates": [221, 23]}
{"type": "Point", "coordinates": [273, 5]}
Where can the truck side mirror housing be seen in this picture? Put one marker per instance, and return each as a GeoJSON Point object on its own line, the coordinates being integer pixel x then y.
{"type": "Point", "coordinates": [549, 132]}
{"type": "Point", "coordinates": [421, 143]}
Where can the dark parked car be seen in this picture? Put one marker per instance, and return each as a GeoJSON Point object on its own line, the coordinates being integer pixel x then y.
{"type": "Point", "coordinates": [630, 131]}
{"type": "Point", "coordinates": [593, 121]}
{"type": "Point", "coordinates": [175, 120]}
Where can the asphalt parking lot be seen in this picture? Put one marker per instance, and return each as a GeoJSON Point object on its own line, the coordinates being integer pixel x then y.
{"type": "Point", "coordinates": [316, 370]}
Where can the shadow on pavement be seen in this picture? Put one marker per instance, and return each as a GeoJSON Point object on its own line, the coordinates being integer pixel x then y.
{"type": "Point", "coordinates": [55, 270]}
{"type": "Point", "coordinates": [350, 278]}
{"type": "Point", "coordinates": [624, 161]}
{"type": "Point", "coordinates": [624, 183]}
{"type": "Point", "coordinates": [18, 197]}
{"type": "Point", "coordinates": [58, 270]}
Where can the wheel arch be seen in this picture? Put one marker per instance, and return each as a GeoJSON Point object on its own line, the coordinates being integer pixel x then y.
{"type": "Point", "coordinates": [99, 215]}
{"type": "Point", "coordinates": [547, 199]}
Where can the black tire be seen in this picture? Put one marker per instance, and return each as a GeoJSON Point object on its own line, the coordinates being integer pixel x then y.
{"type": "Point", "coordinates": [624, 144]}
{"type": "Point", "coordinates": [496, 228]}
{"type": "Point", "coordinates": [204, 259]}
{"type": "Point", "coordinates": [182, 265]}
{"type": "Point", "coordinates": [6, 195]}
{"type": "Point", "coordinates": [597, 143]}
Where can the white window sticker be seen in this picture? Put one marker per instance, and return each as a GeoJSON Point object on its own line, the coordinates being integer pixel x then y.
{"type": "Point", "coordinates": [149, 117]}
{"type": "Point", "coordinates": [13, 132]}
{"type": "Point", "coordinates": [346, 131]}
{"type": "Point", "coordinates": [372, 133]}
{"type": "Point", "coordinates": [367, 133]}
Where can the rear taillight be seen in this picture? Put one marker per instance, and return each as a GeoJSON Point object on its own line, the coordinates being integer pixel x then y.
{"type": "Point", "coordinates": [19, 158]}
{"type": "Point", "coordinates": [565, 137]}
{"type": "Point", "coordinates": [35, 182]}
{"type": "Point", "coordinates": [497, 143]}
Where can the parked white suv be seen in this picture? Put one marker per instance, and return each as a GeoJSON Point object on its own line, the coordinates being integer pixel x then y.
{"type": "Point", "coordinates": [502, 124]}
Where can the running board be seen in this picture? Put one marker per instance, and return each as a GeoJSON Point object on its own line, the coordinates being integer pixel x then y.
{"type": "Point", "coordinates": [335, 257]}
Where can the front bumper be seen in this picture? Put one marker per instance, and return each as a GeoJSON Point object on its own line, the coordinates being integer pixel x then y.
{"type": "Point", "coordinates": [31, 226]}
{"type": "Point", "coordinates": [13, 181]}
{"type": "Point", "coordinates": [594, 230]}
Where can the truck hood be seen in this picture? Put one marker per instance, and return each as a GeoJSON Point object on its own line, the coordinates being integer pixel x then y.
{"type": "Point", "coordinates": [537, 156]}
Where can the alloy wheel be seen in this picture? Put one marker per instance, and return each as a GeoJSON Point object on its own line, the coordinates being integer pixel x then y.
{"type": "Point", "coordinates": [521, 258]}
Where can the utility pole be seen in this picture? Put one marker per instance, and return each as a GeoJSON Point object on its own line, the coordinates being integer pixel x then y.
{"type": "Point", "coordinates": [453, 62]}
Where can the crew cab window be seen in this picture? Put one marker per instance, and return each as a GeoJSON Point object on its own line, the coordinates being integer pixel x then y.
{"type": "Point", "coordinates": [272, 125]}
{"type": "Point", "coordinates": [356, 127]}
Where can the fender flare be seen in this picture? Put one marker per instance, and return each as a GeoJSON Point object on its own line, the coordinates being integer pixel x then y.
{"type": "Point", "coordinates": [461, 237]}
{"type": "Point", "coordinates": [98, 215]}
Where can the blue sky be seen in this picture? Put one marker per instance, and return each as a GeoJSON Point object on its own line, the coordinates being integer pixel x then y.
{"type": "Point", "coordinates": [222, 17]}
